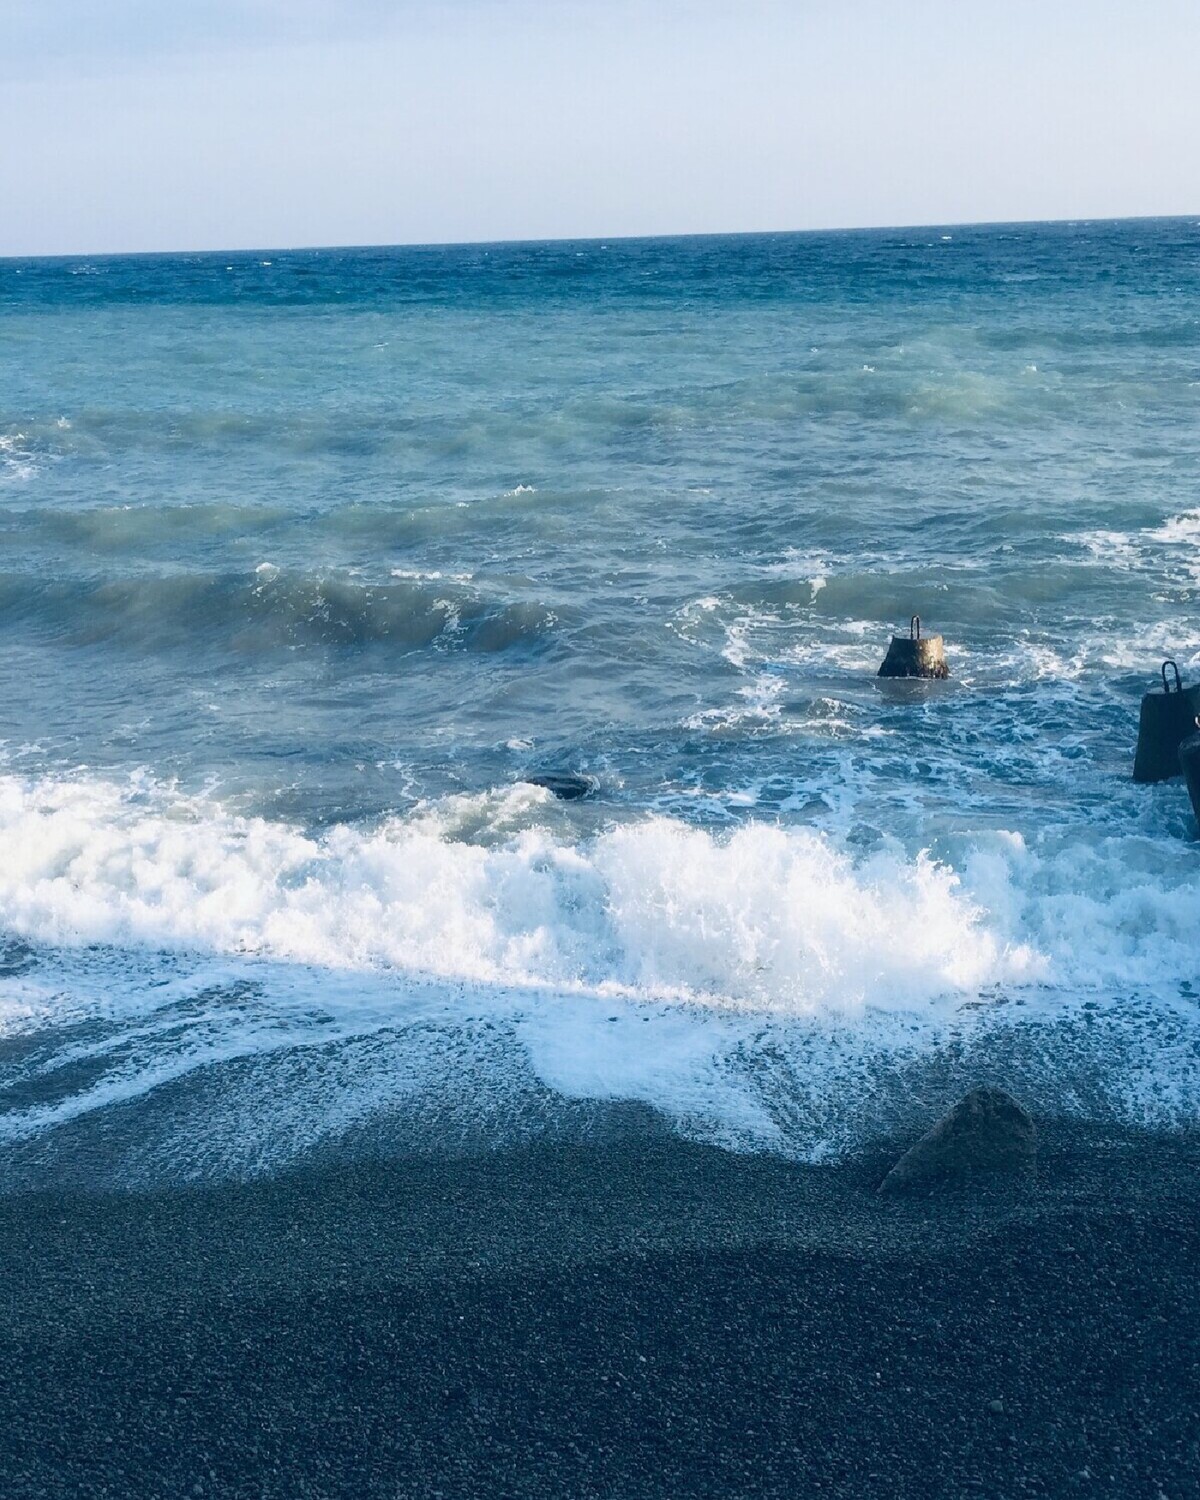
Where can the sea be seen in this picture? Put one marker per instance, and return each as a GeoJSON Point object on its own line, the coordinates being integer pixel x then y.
{"type": "Point", "coordinates": [309, 559]}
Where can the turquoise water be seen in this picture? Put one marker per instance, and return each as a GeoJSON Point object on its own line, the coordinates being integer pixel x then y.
{"type": "Point", "coordinates": [309, 557]}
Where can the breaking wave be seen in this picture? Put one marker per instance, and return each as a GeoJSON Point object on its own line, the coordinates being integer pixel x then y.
{"type": "Point", "coordinates": [764, 918]}
{"type": "Point", "coordinates": [759, 987]}
{"type": "Point", "coordinates": [272, 608]}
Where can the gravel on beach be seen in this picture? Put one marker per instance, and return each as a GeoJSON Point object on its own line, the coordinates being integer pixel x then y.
{"type": "Point", "coordinates": [628, 1317]}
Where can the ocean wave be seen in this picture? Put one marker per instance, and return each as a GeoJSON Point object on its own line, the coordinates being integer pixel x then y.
{"type": "Point", "coordinates": [489, 888]}
{"type": "Point", "coordinates": [272, 608]}
{"type": "Point", "coordinates": [765, 918]}
{"type": "Point", "coordinates": [344, 530]}
{"type": "Point", "coordinates": [763, 987]}
{"type": "Point", "coordinates": [143, 530]}
{"type": "Point", "coordinates": [907, 389]}
{"type": "Point", "coordinates": [1007, 626]}
{"type": "Point", "coordinates": [1166, 551]}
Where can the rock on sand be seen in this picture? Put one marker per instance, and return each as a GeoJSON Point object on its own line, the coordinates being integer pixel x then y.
{"type": "Point", "coordinates": [986, 1132]}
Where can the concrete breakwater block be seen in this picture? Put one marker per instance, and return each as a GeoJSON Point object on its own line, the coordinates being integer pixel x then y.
{"type": "Point", "coordinates": [915, 655]}
{"type": "Point", "coordinates": [986, 1132]}
{"type": "Point", "coordinates": [1167, 719]}
{"type": "Point", "coordinates": [1189, 764]}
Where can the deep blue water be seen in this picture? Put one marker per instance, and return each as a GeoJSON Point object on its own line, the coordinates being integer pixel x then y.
{"type": "Point", "coordinates": [308, 557]}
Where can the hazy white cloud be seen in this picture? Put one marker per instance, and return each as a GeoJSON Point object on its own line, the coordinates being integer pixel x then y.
{"type": "Point", "coordinates": [130, 124]}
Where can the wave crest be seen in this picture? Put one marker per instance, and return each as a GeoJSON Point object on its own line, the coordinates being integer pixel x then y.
{"type": "Point", "coordinates": [273, 608]}
{"type": "Point", "coordinates": [475, 961]}
{"type": "Point", "coordinates": [765, 918]}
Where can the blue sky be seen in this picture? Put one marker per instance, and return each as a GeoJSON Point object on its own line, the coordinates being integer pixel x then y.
{"type": "Point", "coordinates": [182, 124]}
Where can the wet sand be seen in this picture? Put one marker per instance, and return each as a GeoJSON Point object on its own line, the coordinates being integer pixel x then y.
{"type": "Point", "coordinates": [625, 1317]}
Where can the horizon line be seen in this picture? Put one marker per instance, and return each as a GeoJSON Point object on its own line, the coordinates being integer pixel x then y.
{"type": "Point", "coordinates": [602, 239]}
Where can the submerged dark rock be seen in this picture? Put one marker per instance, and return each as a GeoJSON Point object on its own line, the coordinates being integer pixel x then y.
{"type": "Point", "coordinates": [986, 1132]}
{"type": "Point", "coordinates": [567, 787]}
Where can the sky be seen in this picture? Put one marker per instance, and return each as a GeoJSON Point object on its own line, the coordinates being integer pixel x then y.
{"type": "Point", "coordinates": [220, 124]}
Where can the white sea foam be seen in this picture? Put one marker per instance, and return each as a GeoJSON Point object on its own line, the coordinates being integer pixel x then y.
{"type": "Point", "coordinates": [649, 960]}
{"type": "Point", "coordinates": [481, 888]}
{"type": "Point", "coordinates": [813, 567]}
{"type": "Point", "coordinates": [1166, 550]}
{"type": "Point", "coordinates": [765, 918]}
{"type": "Point", "coordinates": [432, 575]}
{"type": "Point", "coordinates": [1182, 530]}
{"type": "Point", "coordinates": [16, 460]}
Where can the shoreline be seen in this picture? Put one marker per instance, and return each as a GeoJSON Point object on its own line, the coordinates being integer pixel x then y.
{"type": "Point", "coordinates": [632, 1316]}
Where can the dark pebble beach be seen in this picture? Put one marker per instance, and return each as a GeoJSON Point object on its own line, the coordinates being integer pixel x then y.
{"type": "Point", "coordinates": [627, 1317]}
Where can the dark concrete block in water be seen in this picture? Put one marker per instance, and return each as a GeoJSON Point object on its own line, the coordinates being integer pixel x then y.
{"type": "Point", "coordinates": [1189, 764]}
{"type": "Point", "coordinates": [1168, 717]}
{"type": "Point", "coordinates": [568, 788]}
{"type": "Point", "coordinates": [986, 1132]}
{"type": "Point", "coordinates": [915, 655]}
